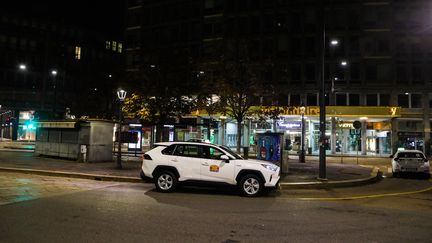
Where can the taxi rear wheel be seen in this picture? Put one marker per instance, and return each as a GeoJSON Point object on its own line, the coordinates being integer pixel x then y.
{"type": "Point", "coordinates": [166, 181]}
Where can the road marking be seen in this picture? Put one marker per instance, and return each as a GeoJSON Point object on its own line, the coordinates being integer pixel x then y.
{"type": "Point", "coordinates": [365, 197]}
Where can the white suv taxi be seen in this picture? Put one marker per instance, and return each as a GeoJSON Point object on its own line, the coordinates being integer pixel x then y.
{"type": "Point", "coordinates": [170, 163]}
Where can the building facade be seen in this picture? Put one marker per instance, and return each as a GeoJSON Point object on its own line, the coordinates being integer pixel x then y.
{"type": "Point", "coordinates": [377, 56]}
{"type": "Point", "coordinates": [50, 63]}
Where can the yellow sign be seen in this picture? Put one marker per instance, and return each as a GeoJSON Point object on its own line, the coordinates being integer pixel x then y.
{"type": "Point", "coordinates": [340, 111]}
{"type": "Point", "coordinates": [291, 110]}
{"type": "Point", "coordinates": [214, 168]}
{"type": "Point", "coordinates": [367, 111]}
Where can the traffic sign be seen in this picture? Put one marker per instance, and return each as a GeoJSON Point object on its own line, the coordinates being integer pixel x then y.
{"type": "Point", "coordinates": [357, 124]}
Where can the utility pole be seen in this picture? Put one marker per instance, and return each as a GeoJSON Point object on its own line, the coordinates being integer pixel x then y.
{"type": "Point", "coordinates": [322, 126]}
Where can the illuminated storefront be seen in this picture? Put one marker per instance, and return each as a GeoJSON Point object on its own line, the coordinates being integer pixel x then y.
{"type": "Point", "coordinates": [373, 138]}
{"type": "Point", "coordinates": [26, 126]}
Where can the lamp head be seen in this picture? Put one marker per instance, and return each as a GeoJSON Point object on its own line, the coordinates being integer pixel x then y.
{"type": "Point", "coordinates": [121, 94]}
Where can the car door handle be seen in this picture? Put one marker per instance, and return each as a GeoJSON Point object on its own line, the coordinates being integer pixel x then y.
{"type": "Point", "coordinates": [205, 164]}
{"type": "Point", "coordinates": [174, 160]}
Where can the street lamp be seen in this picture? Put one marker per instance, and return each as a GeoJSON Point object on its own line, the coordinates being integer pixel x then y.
{"type": "Point", "coordinates": [334, 42]}
{"type": "Point", "coordinates": [22, 67]}
{"type": "Point", "coordinates": [121, 94]}
{"type": "Point", "coordinates": [302, 151]}
{"type": "Point", "coordinates": [54, 74]}
{"type": "Point", "coordinates": [322, 116]}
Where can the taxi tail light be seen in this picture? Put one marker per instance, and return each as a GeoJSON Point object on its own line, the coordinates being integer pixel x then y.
{"type": "Point", "coordinates": [147, 157]}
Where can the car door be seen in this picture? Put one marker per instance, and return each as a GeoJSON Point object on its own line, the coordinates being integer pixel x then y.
{"type": "Point", "coordinates": [215, 169]}
{"type": "Point", "coordinates": [187, 161]}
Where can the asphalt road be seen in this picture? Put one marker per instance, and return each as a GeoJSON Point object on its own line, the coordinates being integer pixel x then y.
{"type": "Point", "coordinates": [50, 209]}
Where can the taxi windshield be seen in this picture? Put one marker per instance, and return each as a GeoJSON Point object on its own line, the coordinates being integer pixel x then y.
{"type": "Point", "coordinates": [232, 153]}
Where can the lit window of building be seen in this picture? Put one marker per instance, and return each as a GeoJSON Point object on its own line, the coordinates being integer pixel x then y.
{"type": "Point", "coordinates": [107, 45]}
{"type": "Point", "coordinates": [120, 47]}
{"type": "Point", "coordinates": [77, 52]}
{"type": "Point", "coordinates": [114, 45]}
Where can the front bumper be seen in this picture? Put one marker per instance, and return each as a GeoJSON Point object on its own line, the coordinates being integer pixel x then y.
{"type": "Point", "coordinates": [273, 180]}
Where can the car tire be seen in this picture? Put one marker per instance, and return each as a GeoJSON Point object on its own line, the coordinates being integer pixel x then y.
{"type": "Point", "coordinates": [251, 186]}
{"type": "Point", "coordinates": [165, 181]}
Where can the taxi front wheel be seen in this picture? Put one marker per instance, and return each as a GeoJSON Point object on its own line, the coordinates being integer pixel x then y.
{"type": "Point", "coordinates": [251, 186]}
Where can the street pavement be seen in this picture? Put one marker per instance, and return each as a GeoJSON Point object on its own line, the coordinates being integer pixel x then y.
{"type": "Point", "coordinates": [346, 171]}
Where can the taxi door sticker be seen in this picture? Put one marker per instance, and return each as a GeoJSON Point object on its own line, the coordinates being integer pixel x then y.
{"type": "Point", "coordinates": [214, 168]}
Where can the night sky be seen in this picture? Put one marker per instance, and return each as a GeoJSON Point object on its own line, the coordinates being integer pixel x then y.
{"type": "Point", "coordinates": [106, 16]}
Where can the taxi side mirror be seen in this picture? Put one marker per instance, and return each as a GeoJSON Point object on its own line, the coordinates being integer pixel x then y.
{"type": "Point", "coordinates": [225, 158]}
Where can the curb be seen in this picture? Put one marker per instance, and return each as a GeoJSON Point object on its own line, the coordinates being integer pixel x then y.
{"type": "Point", "coordinates": [73, 175]}
{"type": "Point", "coordinates": [375, 176]}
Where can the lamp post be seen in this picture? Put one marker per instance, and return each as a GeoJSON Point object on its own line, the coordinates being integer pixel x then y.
{"type": "Point", "coordinates": [302, 151]}
{"type": "Point", "coordinates": [121, 94]}
{"type": "Point", "coordinates": [54, 74]}
{"type": "Point", "coordinates": [322, 124]}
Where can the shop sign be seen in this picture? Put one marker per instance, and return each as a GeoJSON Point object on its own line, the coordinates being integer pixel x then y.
{"type": "Point", "coordinates": [348, 125]}
{"type": "Point", "coordinates": [288, 125]}
{"type": "Point", "coordinates": [290, 110]}
{"type": "Point", "coordinates": [382, 134]}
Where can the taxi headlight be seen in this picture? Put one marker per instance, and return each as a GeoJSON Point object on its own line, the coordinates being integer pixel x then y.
{"type": "Point", "coordinates": [270, 167]}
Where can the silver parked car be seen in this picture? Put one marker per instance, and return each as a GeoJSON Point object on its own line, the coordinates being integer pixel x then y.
{"type": "Point", "coordinates": [413, 161]}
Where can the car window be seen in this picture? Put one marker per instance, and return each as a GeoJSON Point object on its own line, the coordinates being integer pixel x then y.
{"type": "Point", "coordinates": [410, 155]}
{"type": "Point", "coordinates": [211, 153]}
{"type": "Point", "coordinates": [187, 150]}
{"type": "Point", "coordinates": [230, 152]}
{"type": "Point", "coordinates": [168, 150]}
{"type": "Point", "coordinates": [191, 151]}
{"type": "Point", "coordinates": [179, 150]}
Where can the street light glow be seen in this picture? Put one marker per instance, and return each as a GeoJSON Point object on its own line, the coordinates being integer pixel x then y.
{"type": "Point", "coordinates": [22, 67]}
{"type": "Point", "coordinates": [344, 63]}
{"type": "Point", "coordinates": [121, 94]}
{"type": "Point", "coordinates": [54, 72]}
{"type": "Point", "coordinates": [334, 42]}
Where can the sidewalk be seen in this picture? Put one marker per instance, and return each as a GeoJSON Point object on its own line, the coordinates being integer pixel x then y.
{"type": "Point", "coordinates": [300, 175]}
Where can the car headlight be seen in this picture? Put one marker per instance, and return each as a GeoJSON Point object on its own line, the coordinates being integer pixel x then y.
{"type": "Point", "coordinates": [270, 167]}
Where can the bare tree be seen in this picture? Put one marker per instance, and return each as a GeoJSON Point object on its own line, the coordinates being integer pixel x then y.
{"type": "Point", "coordinates": [237, 80]}
{"type": "Point", "coordinates": [161, 93]}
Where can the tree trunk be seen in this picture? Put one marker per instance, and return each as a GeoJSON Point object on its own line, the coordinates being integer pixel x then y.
{"type": "Point", "coordinates": [159, 128]}
{"type": "Point", "coordinates": [239, 134]}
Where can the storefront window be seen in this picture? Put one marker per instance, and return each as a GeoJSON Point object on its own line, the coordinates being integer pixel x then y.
{"type": "Point", "coordinates": [411, 135]}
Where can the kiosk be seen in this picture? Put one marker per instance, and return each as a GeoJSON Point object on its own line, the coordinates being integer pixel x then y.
{"type": "Point", "coordinates": [81, 140]}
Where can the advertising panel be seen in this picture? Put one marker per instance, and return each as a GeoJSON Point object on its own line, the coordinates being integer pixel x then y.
{"type": "Point", "coordinates": [269, 146]}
